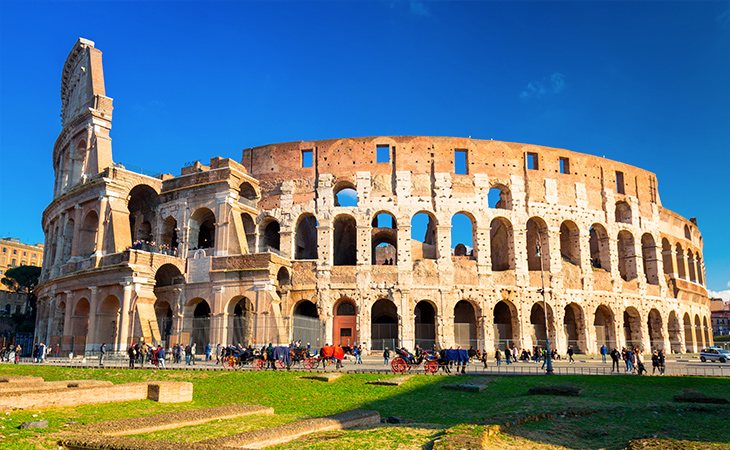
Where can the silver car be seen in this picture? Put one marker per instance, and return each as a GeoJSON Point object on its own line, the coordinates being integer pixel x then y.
{"type": "Point", "coordinates": [715, 354]}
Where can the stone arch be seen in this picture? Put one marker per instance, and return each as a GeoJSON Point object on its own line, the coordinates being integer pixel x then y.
{"type": "Point", "coordinates": [249, 228]}
{"type": "Point", "coordinates": [169, 235]}
{"type": "Point", "coordinates": [626, 255]}
{"type": "Point", "coordinates": [538, 322]}
{"type": "Point", "coordinates": [675, 337]}
{"type": "Point", "coordinates": [463, 234]}
{"type": "Point", "coordinates": [689, 339]}
{"type": "Point", "coordinates": [59, 319]}
{"type": "Point", "coordinates": [305, 239]}
{"type": "Point", "coordinates": [384, 325]}
{"type": "Point", "coordinates": [700, 276]}
{"type": "Point", "coordinates": [465, 324]}
{"type": "Point", "coordinates": [575, 327]}
{"type": "Point", "coordinates": [604, 324]}
{"type": "Point", "coordinates": [80, 325]}
{"type": "Point", "coordinates": [344, 324]}
{"type": "Point", "coordinates": [699, 338]}
{"type": "Point", "coordinates": [667, 256]}
{"type": "Point", "coordinates": [240, 320]}
{"type": "Point", "coordinates": [499, 197]}
{"type": "Point", "coordinates": [247, 191]}
{"type": "Point", "coordinates": [168, 275]}
{"type": "Point", "coordinates": [649, 258]}
{"type": "Point", "coordinates": [655, 328]}
{"type": "Point", "coordinates": [537, 231]}
{"type": "Point", "coordinates": [502, 244]}
{"type": "Point", "coordinates": [202, 229]}
{"type": "Point", "coordinates": [68, 239]}
{"type": "Point", "coordinates": [425, 323]}
{"type": "Point", "coordinates": [88, 233]}
{"type": "Point", "coordinates": [345, 241]}
{"type": "Point", "coordinates": [600, 246]}
{"type": "Point", "coordinates": [506, 324]}
{"type": "Point", "coordinates": [570, 242]}
{"type": "Point", "coordinates": [687, 232]}
{"type": "Point", "coordinates": [706, 333]}
{"type": "Point", "coordinates": [197, 326]}
{"type": "Point", "coordinates": [632, 327]}
{"type": "Point", "coordinates": [107, 318]}
{"type": "Point", "coordinates": [623, 212]}
{"type": "Point", "coordinates": [283, 278]}
{"type": "Point", "coordinates": [384, 239]}
{"type": "Point", "coordinates": [424, 236]}
{"type": "Point", "coordinates": [271, 236]}
{"type": "Point", "coordinates": [679, 251]}
{"type": "Point", "coordinates": [142, 204]}
{"type": "Point", "coordinates": [691, 266]}
{"type": "Point", "coordinates": [163, 314]}
{"type": "Point", "coordinates": [345, 194]}
{"type": "Point", "coordinates": [306, 323]}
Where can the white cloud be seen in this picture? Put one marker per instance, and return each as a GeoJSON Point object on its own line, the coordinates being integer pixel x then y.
{"type": "Point", "coordinates": [725, 295]}
{"type": "Point", "coordinates": [554, 84]}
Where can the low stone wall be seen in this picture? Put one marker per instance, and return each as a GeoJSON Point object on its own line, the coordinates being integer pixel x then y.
{"type": "Point", "coordinates": [44, 386]}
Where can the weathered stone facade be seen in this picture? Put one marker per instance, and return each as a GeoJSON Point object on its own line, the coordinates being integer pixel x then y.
{"type": "Point", "coordinates": [350, 240]}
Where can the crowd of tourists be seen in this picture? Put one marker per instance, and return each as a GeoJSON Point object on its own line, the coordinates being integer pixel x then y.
{"type": "Point", "coordinates": [154, 247]}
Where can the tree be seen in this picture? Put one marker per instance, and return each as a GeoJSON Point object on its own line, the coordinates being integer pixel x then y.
{"type": "Point", "coordinates": [23, 279]}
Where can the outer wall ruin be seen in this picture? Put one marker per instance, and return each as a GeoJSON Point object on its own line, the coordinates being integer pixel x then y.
{"type": "Point", "coordinates": [355, 240]}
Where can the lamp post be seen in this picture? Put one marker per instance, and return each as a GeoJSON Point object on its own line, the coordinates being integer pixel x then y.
{"type": "Point", "coordinates": [548, 356]}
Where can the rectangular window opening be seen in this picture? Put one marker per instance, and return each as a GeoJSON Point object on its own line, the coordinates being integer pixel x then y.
{"type": "Point", "coordinates": [531, 161]}
{"type": "Point", "coordinates": [307, 159]}
{"type": "Point", "coordinates": [345, 332]}
{"type": "Point", "coordinates": [564, 165]}
{"type": "Point", "coordinates": [461, 162]}
{"type": "Point", "coordinates": [382, 153]}
{"type": "Point", "coordinates": [620, 182]}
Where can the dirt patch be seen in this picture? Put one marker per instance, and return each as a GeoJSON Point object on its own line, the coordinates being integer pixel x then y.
{"type": "Point", "coordinates": [671, 444]}
{"type": "Point", "coordinates": [565, 390]}
{"type": "Point", "coordinates": [691, 396]}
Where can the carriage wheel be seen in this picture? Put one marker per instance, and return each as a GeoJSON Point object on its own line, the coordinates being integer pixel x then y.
{"type": "Point", "coordinates": [431, 367]}
{"type": "Point", "coordinates": [259, 364]}
{"type": "Point", "coordinates": [279, 364]}
{"type": "Point", "coordinates": [398, 365]}
{"type": "Point", "coordinates": [309, 363]}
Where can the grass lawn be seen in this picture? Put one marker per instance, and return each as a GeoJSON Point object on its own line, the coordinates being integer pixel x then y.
{"type": "Point", "coordinates": [609, 412]}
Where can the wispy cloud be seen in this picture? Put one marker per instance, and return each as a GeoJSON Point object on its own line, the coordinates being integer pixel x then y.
{"type": "Point", "coordinates": [418, 8]}
{"type": "Point", "coordinates": [725, 294]}
{"type": "Point", "coordinates": [554, 84]}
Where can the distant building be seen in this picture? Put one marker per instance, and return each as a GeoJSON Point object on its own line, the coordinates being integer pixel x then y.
{"type": "Point", "coordinates": [720, 316]}
{"type": "Point", "coordinates": [14, 253]}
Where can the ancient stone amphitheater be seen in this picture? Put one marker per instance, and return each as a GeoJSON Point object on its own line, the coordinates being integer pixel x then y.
{"type": "Point", "coordinates": [383, 240]}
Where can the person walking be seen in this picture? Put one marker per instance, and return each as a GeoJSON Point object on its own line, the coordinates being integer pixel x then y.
{"type": "Point", "coordinates": [654, 362]}
{"type": "Point", "coordinates": [629, 361]}
{"type": "Point", "coordinates": [207, 352]}
{"type": "Point", "coordinates": [386, 356]}
{"type": "Point", "coordinates": [615, 356]}
{"type": "Point", "coordinates": [161, 356]}
{"type": "Point", "coordinates": [498, 357]}
{"type": "Point", "coordinates": [132, 353]}
{"type": "Point", "coordinates": [102, 352]}
{"type": "Point", "coordinates": [662, 362]}
{"type": "Point", "coordinates": [187, 355]}
{"type": "Point", "coordinates": [570, 355]}
{"type": "Point", "coordinates": [193, 351]}
{"type": "Point", "coordinates": [18, 350]}
{"type": "Point", "coordinates": [507, 356]}
{"type": "Point", "coordinates": [484, 359]}
{"type": "Point", "coordinates": [604, 351]}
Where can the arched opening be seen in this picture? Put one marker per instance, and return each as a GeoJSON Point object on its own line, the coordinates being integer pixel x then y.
{"type": "Point", "coordinates": [699, 340]}
{"type": "Point", "coordinates": [424, 244]}
{"type": "Point", "coordinates": [680, 262]}
{"type": "Point", "coordinates": [632, 328]}
{"type": "Point", "coordinates": [384, 325]}
{"type": "Point", "coordinates": [649, 257]}
{"type": "Point", "coordinates": [570, 242]}
{"type": "Point", "coordinates": [246, 191]}
{"type": "Point", "coordinates": [463, 235]}
{"type": "Point", "coordinates": [691, 266]}
{"type": "Point", "coordinates": [80, 326]}
{"type": "Point", "coordinates": [272, 238]}
{"type": "Point", "coordinates": [283, 278]}
{"type": "Point", "coordinates": [345, 323]}
{"type": "Point", "coordinates": [200, 330]}
{"type": "Point", "coordinates": [626, 255]}
{"type": "Point", "coordinates": [689, 338]}
{"type": "Point", "coordinates": [240, 318]}
{"type": "Point", "coordinates": [59, 319]}
{"type": "Point", "coordinates": [604, 326]}
{"type": "Point", "coordinates": [384, 239]}
{"type": "Point", "coordinates": [249, 228]}
{"type": "Point", "coordinates": [202, 229]}
{"type": "Point", "coordinates": [706, 334]}
{"type": "Point", "coordinates": [142, 205]}
{"type": "Point", "coordinates": [345, 241]}
{"type": "Point", "coordinates": [623, 212]}
{"type": "Point", "coordinates": [537, 231]}
{"type": "Point", "coordinates": [305, 239]}
{"type": "Point", "coordinates": [502, 244]}
{"type": "Point", "coordinates": [675, 337]}
{"type": "Point", "coordinates": [107, 318]}
{"type": "Point", "coordinates": [345, 195]}
{"type": "Point", "coordinates": [465, 325]}
{"type": "Point", "coordinates": [68, 239]}
{"type": "Point", "coordinates": [700, 276]}
{"type": "Point", "coordinates": [667, 256]}
{"type": "Point", "coordinates": [499, 197]}
{"type": "Point", "coordinates": [537, 322]}
{"type": "Point", "coordinates": [170, 240]}
{"type": "Point", "coordinates": [306, 324]}
{"type": "Point", "coordinates": [656, 338]}
{"type": "Point", "coordinates": [163, 314]}
{"type": "Point", "coordinates": [88, 233]}
{"type": "Point", "coordinates": [506, 325]}
{"type": "Point", "coordinates": [600, 247]}
{"type": "Point", "coordinates": [425, 323]}
{"type": "Point", "coordinates": [687, 233]}
{"type": "Point", "coordinates": [575, 327]}
{"type": "Point", "coordinates": [168, 275]}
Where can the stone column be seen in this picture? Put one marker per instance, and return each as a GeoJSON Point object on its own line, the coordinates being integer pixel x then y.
{"type": "Point", "coordinates": [93, 306]}
{"type": "Point", "coordinates": [407, 318]}
{"type": "Point", "coordinates": [125, 324]}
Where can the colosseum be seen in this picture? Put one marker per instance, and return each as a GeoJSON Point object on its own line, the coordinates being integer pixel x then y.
{"type": "Point", "coordinates": [386, 241]}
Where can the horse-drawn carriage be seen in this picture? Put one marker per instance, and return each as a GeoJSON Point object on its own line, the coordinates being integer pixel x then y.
{"type": "Point", "coordinates": [406, 361]}
{"type": "Point", "coordinates": [327, 355]}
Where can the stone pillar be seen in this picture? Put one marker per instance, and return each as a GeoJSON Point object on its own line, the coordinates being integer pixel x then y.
{"type": "Point", "coordinates": [218, 317]}
{"type": "Point", "coordinates": [93, 306]}
{"type": "Point", "coordinates": [407, 319]}
{"type": "Point", "coordinates": [125, 325]}
{"type": "Point", "coordinates": [645, 338]}
{"type": "Point", "coordinates": [51, 320]}
{"type": "Point", "coordinates": [482, 244]}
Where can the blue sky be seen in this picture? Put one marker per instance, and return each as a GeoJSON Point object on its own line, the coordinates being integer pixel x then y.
{"type": "Point", "coordinates": [645, 83]}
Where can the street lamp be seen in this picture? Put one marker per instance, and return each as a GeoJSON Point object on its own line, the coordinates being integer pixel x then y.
{"type": "Point", "coordinates": [548, 356]}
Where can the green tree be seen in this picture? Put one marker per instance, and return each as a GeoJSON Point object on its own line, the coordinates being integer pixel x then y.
{"type": "Point", "coordinates": [23, 279]}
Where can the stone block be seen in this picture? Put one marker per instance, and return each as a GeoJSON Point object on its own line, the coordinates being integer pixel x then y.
{"type": "Point", "coordinates": [326, 377]}
{"type": "Point", "coordinates": [34, 424]}
{"type": "Point", "coordinates": [170, 391]}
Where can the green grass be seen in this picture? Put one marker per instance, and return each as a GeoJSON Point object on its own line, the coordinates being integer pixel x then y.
{"type": "Point", "coordinates": [610, 411]}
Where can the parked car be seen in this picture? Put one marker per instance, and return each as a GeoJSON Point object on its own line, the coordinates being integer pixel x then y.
{"type": "Point", "coordinates": [715, 354]}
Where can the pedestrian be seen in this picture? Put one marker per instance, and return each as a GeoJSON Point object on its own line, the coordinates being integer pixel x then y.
{"type": "Point", "coordinates": [207, 352]}
{"type": "Point", "coordinates": [498, 357]}
{"type": "Point", "coordinates": [604, 351]}
{"type": "Point", "coordinates": [102, 352]}
{"type": "Point", "coordinates": [570, 355]}
{"type": "Point", "coordinates": [639, 363]}
{"type": "Point", "coordinates": [217, 353]}
{"type": "Point", "coordinates": [484, 359]}
{"type": "Point", "coordinates": [161, 356]}
{"type": "Point", "coordinates": [193, 352]}
{"type": "Point", "coordinates": [662, 362]}
{"type": "Point", "coordinates": [655, 362]}
{"type": "Point", "coordinates": [629, 360]}
{"type": "Point", "coordinates": [18, 350]}
{"type": "Point", "coordinates": [615, 356]}
{"type": "Point", "coordinates": [132, 353]}
{"type": "Point", "coordinates": [507, 355]}
{"type": "Point", "coordinates": [143, 350]}
{"type": "Point", "coordinates": [386, 356]}
{"type": "Point", "coordinates": [187, 355]}
{"type": "Point", "coordinates": [42, 352]}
